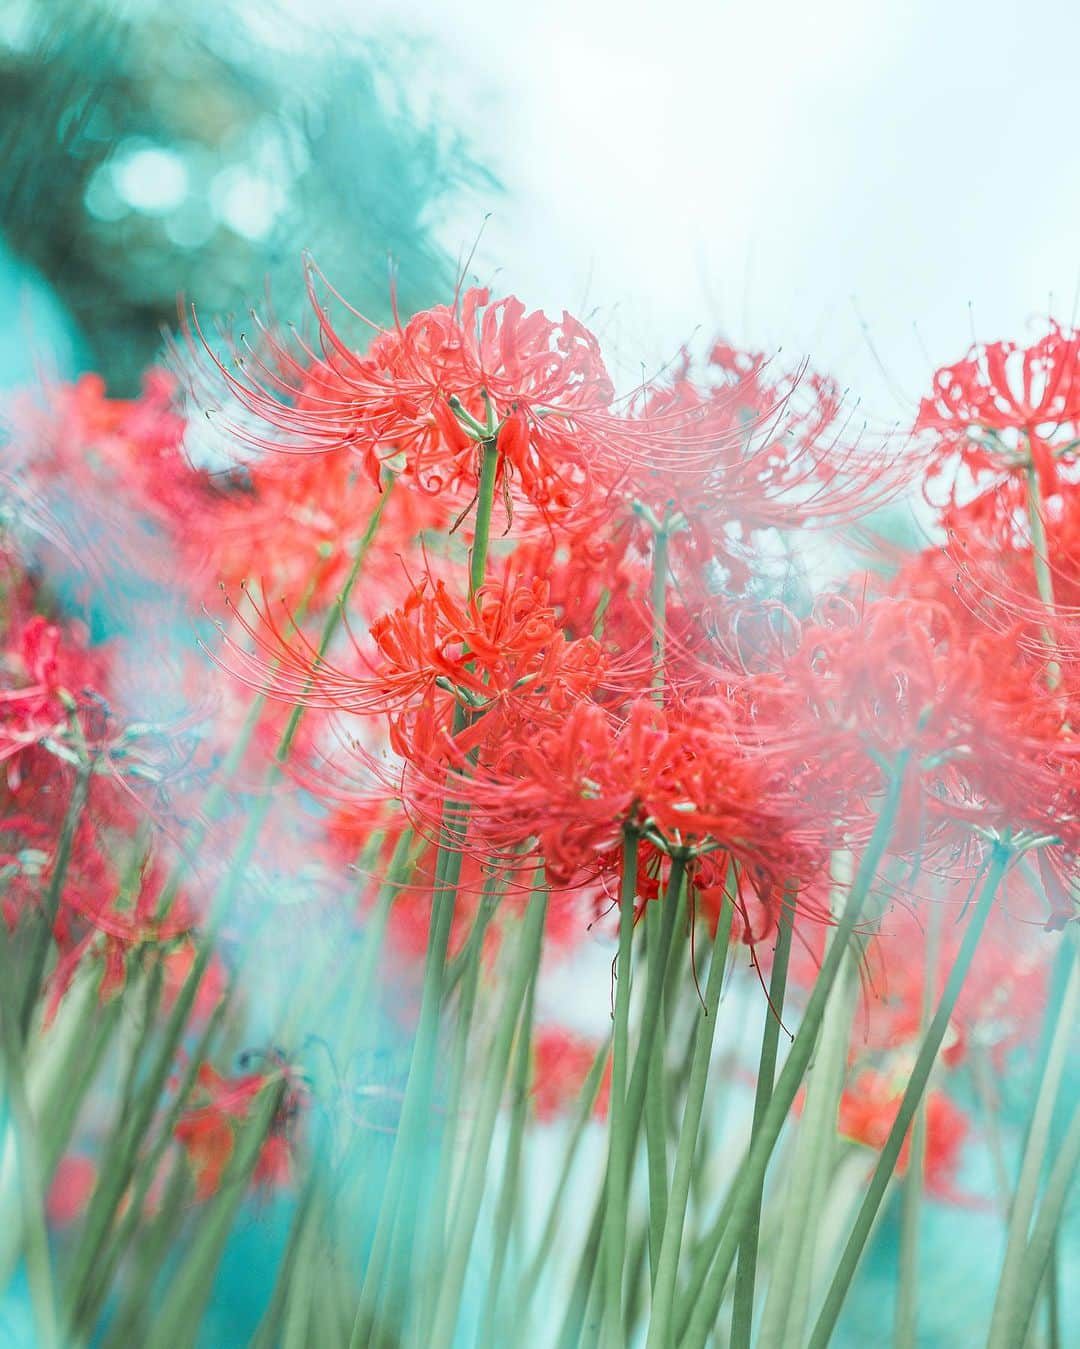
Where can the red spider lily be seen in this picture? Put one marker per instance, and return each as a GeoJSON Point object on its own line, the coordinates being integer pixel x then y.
{"type": "Point", "coordinates": [55, 717]}
{"type": "Point", "coordinates": [294, 528]}
{"type": "Point", "coordinates": [207, 1130]}
{"type": "Point", "coordinates": [883, 676]}
{"type": "Point", "coordinates": [500, 656]}
{"type": "Point", "coordinates": [902, 677]}
{"type": "Point", "coordinates": [868, 1108]}
{"type": "Point", "coordinates": [36, 700]}
{"type": "Point", "coordinates": [1001, 390]}
{"type": "Point", "coordinates": [1004, 995]}
{"type": "Point", "coordinates": [759, 449]}
{"type": "Point", "coordinates": [107, 922]}
{"type": "Point", "coordinates": [986, 575]}
{"type": "Point", "coordinates": [1021, 764]}
{"type": "Point", "coordinates": [687, 778]}
{"type": "Point", "coordinates": [106, 480]}
{"type": "Point", "coordinates": [424, 394]}
{"type": "Point", "coordinates": [85, 437]}
{"type": "Point", "coordinates": [561, 1063]}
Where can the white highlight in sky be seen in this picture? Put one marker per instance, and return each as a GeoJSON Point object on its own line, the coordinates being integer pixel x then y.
{"type": "Point", "coordinates": [772, 170]}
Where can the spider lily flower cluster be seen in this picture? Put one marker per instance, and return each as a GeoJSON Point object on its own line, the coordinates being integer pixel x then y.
{"type": "Point", "coordinates": [474, 666]}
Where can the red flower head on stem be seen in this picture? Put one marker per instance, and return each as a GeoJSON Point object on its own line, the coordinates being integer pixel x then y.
{"type": "Point", "coordinates": [1004, 402]}
{"type": "Point", "coordinates": [207, 1130]}
{"type": "Point", "coordinates": [426, 394]}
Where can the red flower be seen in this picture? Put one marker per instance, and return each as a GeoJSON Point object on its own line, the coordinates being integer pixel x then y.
{"type": "Point", "coordinates": [868, 1109]}
{"type": "Point", "coordinates": [424, 395]}
{"type": "Point", "coordinates": [561, 1063]}
{"type": "Point", "coordinates": [1000, 391]}
{"type": "Point", "coordinates": [207, 1131]}
{"type": "Point", "coordinates": [749, 448]}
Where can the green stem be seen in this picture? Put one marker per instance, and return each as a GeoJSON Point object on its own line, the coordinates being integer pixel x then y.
{"type": "Point", "coordinates": [267, 1332]}
{"type": "Point", "coordinates": [658, 597]}
{"type": "Point", "coordinates": [438, 1201]}
{"type": "Point", "coordinates": [752, 1172]}
{"type": "Point", "coordinates": [783, 1318]}
{"type": "Point", "coordinates": [702, 1264]}
{"type": "Point", "coordinates": [1011, 1327]}
{"type": "Point", "coordinates": [39, 949]}
{"type": "Point", "coordinates": [467, 1208]}
{"type": "Point", "coordinates": [614, 1223]}
{"type": "Point", "coordinates": [920, 1073]}
{"type": "Point", "coordinates": [102, 1248]}
{"type": "Point", "coordinates": [509, 1193]}
{"type": "Point", "coordinates": [671, 907]}
{"type": "Point", "coordinates": [1035, 1151]}
{"type": "Point", "coordinates": [114, 1179]}
{"type": "Point", "coordinates": [1044, 580]}
{"type": "Point", "coordinates": [907, 1291]}
{"type": "Point", "coordinates": [485, 506]}
{"type": "Point", "coordinates": [1053, 1296]}
{"type": "Point", "coordinates": [301, 1287]}
{"type": "Point", "coordinates": [655, 1106]}
{"type": "Point", "coordinates": [157, 1239]}
{"type": "Point", "coordinates": [586, 1103]}
{"type": "Point", "coordinates": [638, 1285]}
{"type": "Point", "coordinates": [588, 1280]}
{"type": "Point", "coordinates": [418, 1086]}
{"type": "Point", "coordinates": [663, 1300]}
{"type": "Point", "coordinates": [177, 1320]}
{"type": "Point", "coordinates": [28, 1165]}
{"type": "Point", "coordinates": [746, 1270]}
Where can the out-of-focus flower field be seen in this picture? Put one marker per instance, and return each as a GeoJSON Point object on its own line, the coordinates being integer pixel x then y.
{"type": "Point", "coordinates": [492, 853]}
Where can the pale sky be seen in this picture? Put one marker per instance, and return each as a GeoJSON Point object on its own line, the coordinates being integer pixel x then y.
{"type": "Point", "coordinates": [773, 170]}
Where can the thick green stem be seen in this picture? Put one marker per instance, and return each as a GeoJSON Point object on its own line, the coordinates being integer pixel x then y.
{"type": "Point", "coordinates": [663, 1300]}
{"type": "Point", "coordinates": [485, 506]}
{"type": "Point", "coordinates": [920, 1073]}
{"type": "Point", "coordinates": [622, 1168]}
{"type": "Point", "coordinates": [746, 1271]}
{"type": "Point", "coordinates": [671, 908]}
